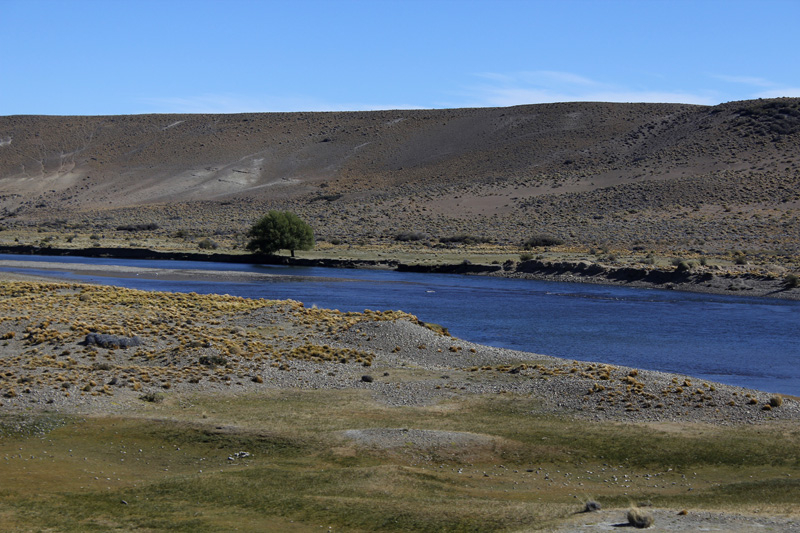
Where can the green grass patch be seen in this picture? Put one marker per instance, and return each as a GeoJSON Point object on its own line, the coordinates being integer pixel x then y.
{"type": "Point", "coordinates": [175, 467]}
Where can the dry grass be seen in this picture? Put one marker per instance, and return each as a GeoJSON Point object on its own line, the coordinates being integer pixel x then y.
{"type": "Point", "coordinates": [186, 338]}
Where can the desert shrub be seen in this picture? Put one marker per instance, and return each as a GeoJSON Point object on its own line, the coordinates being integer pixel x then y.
{"type": "Point", "coordinates": [406, 236]}
{"type": "Point", "coordinates": [152, 397]}
{"type": "Point", "coordinates": [525, 257]}
{"type": "Point", "coordinates": [212, 360]}
{"type": "Point", "coordinates": [335, 242]}
{"type": "Point", "coordinates": [640, 519]}
{"type": "Point", "coordinates": [791, 281]}
{"type": "Point", "coordinates": [541, 240]}
{"type": "Point", "coordinates": [326, 197]}
{"type": "Point", "coordinates": [436, 328]}
{"type": "Point", "coordinates": [151, 226]}
{"type": "Point", "coordinates": [207, 244]}
{"type": "Point", "coordinates": [776, 401]}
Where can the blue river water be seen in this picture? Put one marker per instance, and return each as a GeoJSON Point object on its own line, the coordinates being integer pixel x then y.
{"type": "Point", "coordinates": [751, 342]}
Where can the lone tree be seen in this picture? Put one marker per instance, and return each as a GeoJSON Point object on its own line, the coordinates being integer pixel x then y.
{"type": "Point", "coordinates": [280, 230]}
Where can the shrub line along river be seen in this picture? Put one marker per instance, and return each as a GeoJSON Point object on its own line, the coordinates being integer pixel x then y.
{"type": "Point", "coordinates": [751, 342]}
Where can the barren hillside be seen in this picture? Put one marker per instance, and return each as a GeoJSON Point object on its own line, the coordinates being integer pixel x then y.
{"type": "Point", "coordinates": [654, 176]}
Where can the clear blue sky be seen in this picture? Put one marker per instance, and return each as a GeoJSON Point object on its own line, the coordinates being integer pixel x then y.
{"type": "Point", "coordinates": [97, 57]}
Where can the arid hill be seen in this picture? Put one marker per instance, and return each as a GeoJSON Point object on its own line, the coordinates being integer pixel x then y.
{"type": "Point", "coordinates": [645, 176]}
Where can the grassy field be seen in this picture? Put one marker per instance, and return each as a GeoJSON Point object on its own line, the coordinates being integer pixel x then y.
{"type": "Point", "coordinates": [172, 466]}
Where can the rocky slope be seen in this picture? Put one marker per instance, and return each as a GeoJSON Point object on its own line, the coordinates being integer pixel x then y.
{"type": "Point", "coordinates": [625, 175]}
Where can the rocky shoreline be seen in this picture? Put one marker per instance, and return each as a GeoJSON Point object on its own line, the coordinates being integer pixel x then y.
{"type": "Point", "coordinates": [50, 363]}
{"type": "Point", "coordinates": [698, 279]}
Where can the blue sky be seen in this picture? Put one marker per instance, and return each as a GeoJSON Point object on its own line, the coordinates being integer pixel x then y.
{"type": "Point", "coordinates": [102, 57]}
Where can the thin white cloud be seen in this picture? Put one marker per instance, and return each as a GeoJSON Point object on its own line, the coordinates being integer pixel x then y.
{"type": "Point", "coordinates": [559, 78]}
{"type": "Point", "coordinates": [763, 88]}
{"type": "Point", "coordinates": [545, 78]}
{"type": "Point", "coordinates": [790, 92]}
{"type": "Point", "coordinates": [231, 103]}
{"type": "Point", "coordinates": [207, 103]}
{"type": "Point", "coordinates": [550, 86]}
{"type": "Point", "coordinates": [745, 80]}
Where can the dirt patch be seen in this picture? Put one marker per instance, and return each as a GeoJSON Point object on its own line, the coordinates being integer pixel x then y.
{"type": "Point", "coordinates": [416, 438]}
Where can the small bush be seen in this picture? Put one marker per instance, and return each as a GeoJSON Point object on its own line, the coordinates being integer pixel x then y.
{"type": "Point", "coordinates": [407, 236]}
{"type": "Point", "coordinates": [138, 227]}
{"type": "Point", "coordinates": [640, 519]}
{"type": "Point", "coordinates": [212, 360]}
{"type": "Point", "coordinates": [791, 281]}
{"type": "Point", "coordinates": [436, 328]}
{"type": "Point", "coordinates": [542, 240]}
{"type": "Point", "coordinates": [152, 397]}
{"type": "Point", "coordinates": [525, 257]}
{"type": "Point", "coordinates": [776, 401]}
{"type": "Point", "coordinates": [207, 244]}
{"type": "Point", "coordinates": [326, 197]}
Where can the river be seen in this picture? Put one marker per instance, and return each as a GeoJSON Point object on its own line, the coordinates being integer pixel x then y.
{"type": "Point", "coordinates": [751, 342]}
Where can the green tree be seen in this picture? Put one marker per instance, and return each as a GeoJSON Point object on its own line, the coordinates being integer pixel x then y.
{"type": "Point", "coordinates": [280, 230]}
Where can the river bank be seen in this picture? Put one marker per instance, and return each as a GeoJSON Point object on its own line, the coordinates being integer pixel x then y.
{"type": "Point", "coordinates": [695, 278]}
{"type": "Point", "coordinates": [225, 346]}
